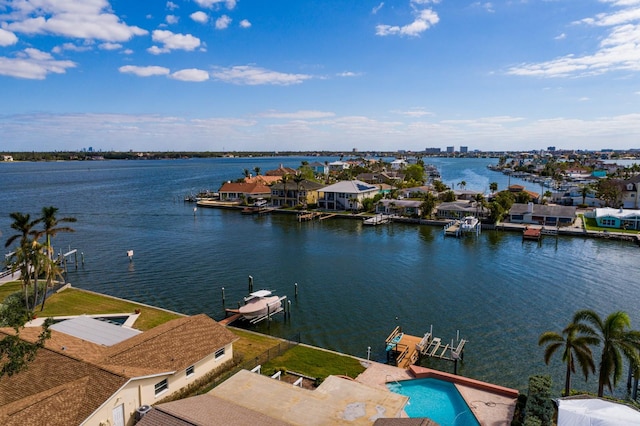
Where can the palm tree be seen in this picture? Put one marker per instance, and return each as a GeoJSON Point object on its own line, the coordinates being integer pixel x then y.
{"type": "Point", "coordinates": [584, 191]}
{"type": "Point", "coordinates": [257, 170]}
{"type": "Point", "coordinates": [616, 339]}
{"type": "Point", "coordinates": [480, 203]}
{"type": "Point", "coordinates": [285, 179]}
{"type": "Point", "coordinates": [246, 173]}
{"type": "Point", "coordinates": [462, 184]}
{"type": "Point", "coordinates": [24, 253]}
{"type": "Point", "coordinates": [493, 186]}
{"type": "Point", "coordinates": [298, 179]}
{"type": "Point", "coordinates": [51, 229]}
{"type": "Point", "coordinates": [576, 347]}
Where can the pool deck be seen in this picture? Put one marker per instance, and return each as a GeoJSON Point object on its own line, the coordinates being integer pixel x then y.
{"type": "Point", "coordinates": [491, 404]}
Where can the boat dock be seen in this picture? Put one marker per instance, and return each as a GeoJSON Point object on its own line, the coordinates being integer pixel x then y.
{"type": "Point", "coordinates": [407, 350]}
{"type": "Point", "coordinates": [378, 219]}
{"type": "Point", "coordinates": [532, 234]}
{"type": "Point", "coordinates": [308, 216]}
{"type": "Point", "coordinates": [452, 229]}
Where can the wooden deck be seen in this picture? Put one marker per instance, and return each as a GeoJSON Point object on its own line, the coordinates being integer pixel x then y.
{"type": "Point", "coordinates": [408, 349]}
{"type": "Point", "coordinates": [532, 234]}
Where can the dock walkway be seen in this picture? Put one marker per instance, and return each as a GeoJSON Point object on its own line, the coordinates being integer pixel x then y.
{"type": "Point", "coordinates": [409, 349]}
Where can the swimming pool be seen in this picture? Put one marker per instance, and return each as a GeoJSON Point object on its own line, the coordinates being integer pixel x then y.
{"type": "Point", "coordinates": [436, 399]}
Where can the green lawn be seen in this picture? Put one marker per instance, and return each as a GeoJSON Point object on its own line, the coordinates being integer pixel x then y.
{"type": "Point", "coordinates": [251, 345]}
{"type": "Point", "coordinates": [78, 302]}
{"type": "Point", "coordinates": [314, 363]}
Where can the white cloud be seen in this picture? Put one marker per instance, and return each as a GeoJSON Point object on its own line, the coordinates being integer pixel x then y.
{"type": "Point", "coordinates": [486, 6]}
{"type": "Point", "coordinates": [71, 47]}
{"type": "Point", "coordinates": [298, 115]}
{"type": "Point", "coordinates": [70, 18]}
{"type": "Point", "coordinates": [619, 49]}
{"type": "Point", "coordinates": [33, 64]}
{"type": "Point", "coordinates": [172, 6]}
{"type": "Point", "coordinates": [223, 22]}
{"type": "Point", "coordinates": [147, 71]}
{"type": "Point", "coordinates": [423, 20]}
{"type": "Point", "coordinates": [172, 19]}
{"type": "Point", "coordinates": [211, 4]}
{"type": "Point", "coordinates": [561, 37]}
{"type": "Point", "coordinates": [415, 113]}
{"type": "Point", "coordinates": [377, 8]}
{"type": "Point", "coordinates": [191, 74]}
{"type": "Point", "coordinates": [200, 17]}
{"type": "Point", "coordinates": [171, 41]}
{"type": "Point", "coordinates": [7, 38]}
{"type": "Point", "coordinates": [349, 74]}
{"type": "Point", "coordinates": [253, 76]}
{"type": "Point", "coordinates": [110, 46]}
{"type": "Point", "coordinates": [245, 24]}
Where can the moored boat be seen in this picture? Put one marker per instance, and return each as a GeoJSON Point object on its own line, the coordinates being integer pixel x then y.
{"type": "Point", "coordinates": [260, 303]}
{"type": "Point", "coordinates": [468, 223]}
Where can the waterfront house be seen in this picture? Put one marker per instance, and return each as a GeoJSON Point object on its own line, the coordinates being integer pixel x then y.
{"type": "Point", "coordinates": [291, 194]}
{"type": "Point", "coordinates": [239, 191]}
{"type": "Point", "coordinates": [338, 166]}
{"type": "Point", "coordinates": [415, 192]}
{"type": "Point", "coordinates": [345, 195]}
{"type": "Point", "coordinates": [265, 180]}
{"type": "Point", "coordinates": [542, 214]}
{"type": "Point", "coordinates": [82, 378]}
{"type": "Point", "coordinates": [409, 208]}
{"type": "Point", "coordinates": [281, 171]}
{"type": "Point", "coordinates": [320, 168]}
{"type": "Point", "coordinates": [617, 218]}
{"type": "Point", "coordinates": [460, 209]}
{"type": "Point", "coordinates": [631, 193]}
{"type": "Point", "coordinates": [398, 164]}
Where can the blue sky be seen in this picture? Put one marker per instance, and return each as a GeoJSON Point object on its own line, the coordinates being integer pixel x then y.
{"type": "Point", "coordinates": [236, 75]}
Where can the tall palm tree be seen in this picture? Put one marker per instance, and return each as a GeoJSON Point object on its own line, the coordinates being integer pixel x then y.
{"type": "Point", "coordinates": [257, 170]}
{"type": "Point", "coordinates": [24, 253]}
{"type": "Point", "coordinates": [493, 186]}
{"type": "Point", "coordinates": [298, 179]}
{"type": "Point", "coordinates": [51, 227]}
{"type": "Point", "coordinates": [285, 180]}
{"type": "Point", "coordinates": [575, 342]}
{"type": "Point", "coordinates": [616, 339]}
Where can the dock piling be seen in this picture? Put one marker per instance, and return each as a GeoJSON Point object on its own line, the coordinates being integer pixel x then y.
{"type": "Point", "coordinates": [296, 290]}
{"type": "Point", "coordinates": [222, 296]}
{"type": "Point", "coordinates": [250, 284]}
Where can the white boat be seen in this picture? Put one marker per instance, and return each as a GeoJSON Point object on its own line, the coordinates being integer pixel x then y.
{"type": "Point", "coordinates": [468, 224]}
{"type": "Point", "coordinates": [259, 304]}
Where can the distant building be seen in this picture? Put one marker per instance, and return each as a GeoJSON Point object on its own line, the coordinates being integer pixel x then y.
{"type": "Point", "coordinates": [432, 151]}
{"type": "Point", "coordinates": [551, 148]}
{"type": "Point", "coordinates": [451, 149]}
{"type": "Point", "coordinates": [464, 149]}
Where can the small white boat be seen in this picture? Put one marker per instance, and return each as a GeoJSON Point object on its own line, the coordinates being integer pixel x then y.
{"type": "Point", "coordinates": [260, 303]}
{"type": "Point", "coordinates": [468, 224]}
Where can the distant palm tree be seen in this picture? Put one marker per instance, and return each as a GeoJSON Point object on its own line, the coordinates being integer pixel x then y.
{"type": "Point", "coordinates": [480, 203]}
{"type": "Point", "coordinates": [493, 186]}
{"type": "Point", "coordinates": [575, 342]}
{"type": "Point", "coordinates": [257, 170]}
{"type": "Point", "coordinates": [462, 184]}
{"type": "Point", "coordinates": [616, 339]}
{"type": "Point", "coordinates": [246, 173]}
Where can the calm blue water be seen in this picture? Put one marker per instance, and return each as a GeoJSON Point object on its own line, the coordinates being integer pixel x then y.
{"type": "Point", "coordinates": [436, 399]}
{"type": "Point", "coordinates": [355, 283]}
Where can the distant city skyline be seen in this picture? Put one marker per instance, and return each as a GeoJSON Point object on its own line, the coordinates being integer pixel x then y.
{"type": "Point", "coordinates": [247, 75]}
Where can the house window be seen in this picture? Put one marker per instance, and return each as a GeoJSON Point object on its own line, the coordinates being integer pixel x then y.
{"type": "Point", "coordinates": [219, 353]}
{"type": "Point", "coordinates": [190, 370]}
{"type": "Point", "coordinates": [161, 387]}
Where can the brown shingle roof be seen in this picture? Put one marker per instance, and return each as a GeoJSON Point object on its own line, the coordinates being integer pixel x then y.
{"type": "Point", "coordinates": [245, 188]}
{"type": "Point", "coordinates": [55, 390]}
{"type": "Point", "coordinates": [172, 346]}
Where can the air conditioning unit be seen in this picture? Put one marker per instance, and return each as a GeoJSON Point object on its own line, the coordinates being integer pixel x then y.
{"type": "Point", "coordinates": [141, 411]}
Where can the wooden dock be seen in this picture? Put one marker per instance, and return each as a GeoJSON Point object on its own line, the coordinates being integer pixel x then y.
{"type": "Point", "coordinates": [532, 234]}
{"type": "Point", "coordinates": [407, 350]}
{"type": "Point", "coordinates": [452, 229]}
{"type": "Point", "coordinates": [305, 216]}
